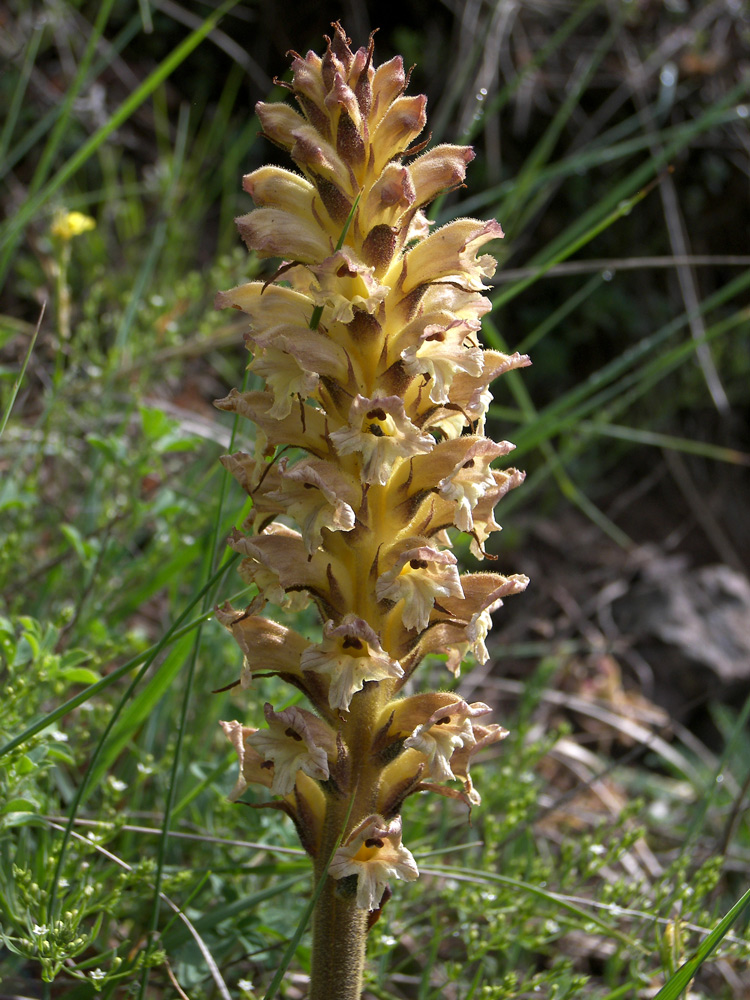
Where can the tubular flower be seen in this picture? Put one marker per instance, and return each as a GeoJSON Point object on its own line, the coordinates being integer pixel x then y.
{"type": "Point", "coordinates": [376, 390]}
{"type": "Point", "coordinates": [372, 854]}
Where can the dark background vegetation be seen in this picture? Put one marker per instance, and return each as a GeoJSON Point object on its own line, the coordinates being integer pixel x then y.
{"type": "Point", "coordinates": [633, 523]}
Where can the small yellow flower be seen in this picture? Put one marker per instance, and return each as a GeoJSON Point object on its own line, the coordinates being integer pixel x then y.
{"type": "Point", "coordinates": [67, 225]}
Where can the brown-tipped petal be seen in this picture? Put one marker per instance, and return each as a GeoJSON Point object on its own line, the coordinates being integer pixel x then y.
{"type": "Point", "coordinates": [307, 82]}
{"type": "Point", "coordinates": [399, 126]}
{"type": "Point", "coordinates": [442, 168]}
{"type": "Point", "coordinates": [319, 158]}
{"type": "Point", "coordinates": [277, 562]}
{"type": "Point", "coordinates": [471, 393]}
{"type": "Point", "coordinates": [286, 378]}
{"type": "Point", "coordinates": [317, 495]}
{"type": "Point", "coordinates": [267, 646]}
{"type": "Point", "coordinates": [268, 305]}
{"type": "Point", "coordinates": [305, 428]}
{"type": "Point", "coordinates": [483, 590]}
{"type": "Point", "coordinates": [252, 771]}
{"type": "Point", "coordinates": [451, 253]}
{"type": "Point", "coordinates": [273, 232]}
{"type": "Point", "coordinates": [343, 106]}
{"type": "Point", "coordinates": [247, 470]}
{"type": "Point", "coordinates": [484, 736]}
{"type": "Point", "coordinates": [388, 82]}
{"type": "Point", "coordinates": [483, 518]}
{"type": "Point", "coordinates": [272, 187]}
{"type": "Point", "coordinates": [279, 121]}
{"type": "Point", "coordinates": [389, 197]}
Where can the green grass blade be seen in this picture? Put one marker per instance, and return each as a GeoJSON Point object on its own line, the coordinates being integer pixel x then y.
{"type": "Point", "coordinates": [179, 935]}
{"type": "Point", "coordinates": [639, 435]}
{"type": "Point", "coordinates": [674, 987]}
{"type": "Point", "coordinates": [71, 93]}
{"type": "Point", "coordinates": [175, 631]}
{"type": "Point", "coordinates": [20, 89]}
{"type": "Point", "coordinates": [567, 407]}
{"type": "Point", "coordinates": [33, 205]}
{"type": "Point", "coordinates": [140, 707]}
{"type": "Point", "coordinates": [148, 268]}
{"type": "Point", "coordinates": [19, 378]}
{"type": "Point", "coordinates": [45, 123]}
{"type": "Point", "coordinates": [558, 900]}
{"type": "Point", "coordinates": [512, 209]}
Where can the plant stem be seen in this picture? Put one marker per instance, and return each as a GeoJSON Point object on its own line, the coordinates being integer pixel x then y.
{"type": "Point", "coordinates": [338, 957]}
{"type": "Point", "coordinates": [339, 925]}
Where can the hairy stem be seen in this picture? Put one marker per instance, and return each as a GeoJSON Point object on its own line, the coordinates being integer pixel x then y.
{"type": "Point", "coordinates": [338, 957]}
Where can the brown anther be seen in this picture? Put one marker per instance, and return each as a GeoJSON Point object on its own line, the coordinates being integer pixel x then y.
{"type": "Point", "coordinates": [439, 337]}
{"type": "Point", "coordinates": [374, 842]}
{"type": "Point", "coordinates": [469, 464]}
{"type": "Point", "coordinates": [444, 721]}
{"type": "Point", "coordinates": [377, 414]}
{"type": "Point", "coordinates": [267, 764]}
{"type": "Point", "coordinates": [418, 563]}
{"type": "Point", "coordinates": [351, 642]}
{"type": "Point", "coordinates": [295, 736]}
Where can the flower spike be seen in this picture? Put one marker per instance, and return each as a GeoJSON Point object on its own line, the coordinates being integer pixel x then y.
{"type": "Point", "coordinates": [370, 460]}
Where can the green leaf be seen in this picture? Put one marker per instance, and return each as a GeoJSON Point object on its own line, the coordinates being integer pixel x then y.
{"type": "Point", "coordinates": [18, 805]}
{"type": "Point", "coordinates": [25, 765]}
{"type": "Point", "coordinates": [80, 675]}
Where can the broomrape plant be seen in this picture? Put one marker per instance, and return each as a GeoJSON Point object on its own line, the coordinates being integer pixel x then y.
{"type": "Point", "coordinates": [376, 392]}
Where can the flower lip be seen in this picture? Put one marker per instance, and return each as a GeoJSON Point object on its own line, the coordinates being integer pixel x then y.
{"type": "Point", "coordinates": [448, 729]}
{"type": "Point", "coordinates": [419, 576]}
{"type": "Point", "coordinates": [374, 853]}
{"type": "Point", "coordinates": [381, 433]}
{"type": "Point", "coordinates": [295, 740]}
{"type": "Point", "coordinates": [349, 654]}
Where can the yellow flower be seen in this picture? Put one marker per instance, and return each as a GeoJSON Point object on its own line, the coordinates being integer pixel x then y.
{"type": "Point", "coordinates": [66, 225]}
